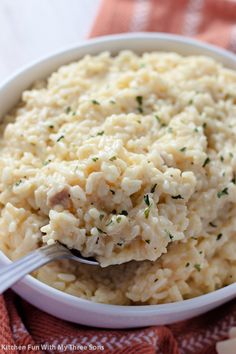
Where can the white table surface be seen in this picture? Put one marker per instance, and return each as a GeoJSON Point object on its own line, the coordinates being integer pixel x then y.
{"type": "Point", "coordinates": [30, 29]}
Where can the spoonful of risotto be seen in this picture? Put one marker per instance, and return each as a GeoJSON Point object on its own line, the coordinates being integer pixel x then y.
{"type": "Point", "coordinates": [13, 272]}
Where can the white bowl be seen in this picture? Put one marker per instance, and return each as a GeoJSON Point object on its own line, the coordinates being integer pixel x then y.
{"type": "Point", "coordinates": [69, 307]}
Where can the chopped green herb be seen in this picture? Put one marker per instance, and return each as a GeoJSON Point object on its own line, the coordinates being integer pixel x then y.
{"type": "Point", "coordinates": [47, 162]}
{"type": "Point", "coordinates": [212, 225]}
{"type": "Point", "coordinates": [120, 243]}
{"type": "Point", "coordinates": [60, 138]}
{"type": "Point", "coordinates": [223, 192]}
{"type": "Point", "coordinates": [101, 216]}
{"type": "Point", "coordinates": [140, 109]}
{"type": "Point", "coordinates": [101, 132]}
{"type": "Point", "coordinates": [95, 102]}
{"type": "Point", "coordinates": [74, 113]}
{"type": "Point", "coordinates": [68, 109]}
{"type": "Point", "coordinates": [118, 219]}
{"type": "Point", "coordinates": [101, 231]}
{"type": "Point", "coordinates": [231, 155]}
{"type": "Point", "coordinates": [198, 267]}
{"type": "Point", "coordinates": [182, 149]}
{"type": "Point", "coordinates": [113, 158]}
{"type": "Point", "coordinates": [221, 158]}
{"type": "Point", "coordinates": [147, 212]}
{"type": "Point", "coordinates": [187, 264]}
{"type": "Point", "coordinates": [51, 126]}
{"type": "Point", "coordinates": [177, 197]}
{"type": "Point", "coordinates": [170, 130]}
{"type": "Point", "coordinates": [190, 101]}
{"type": "Point", "coordinates": [94, 159]}
{"type": "Point", "coordinates": [113, 192]}
{"type": "Point", "coordinates": [109, 223]}
{"type": "Point", "coordinates": [112, 102]}
{"type": "Point", "coordinates": [148, 241]}
{"type": "Point", "coordinates": [170, 236]}
{"type": "Point", "coordinates": [146, 199]}
{"type": "Point", "coordinates": [155, 280]}
{"type": "Point", "coordinates": [196, 130]}
{"type": "Point", "coordinates": [204, 125]}
{"type": "Point", "coordinates": [219, 237]}
{"type": "Point", "coordinates": [139, 99]}
{"type": "Point", "coordinates": [163, 125]}
{"type": "Point", "coordinates": [157, 118]}
{"type": "Point", "coordinates": [18, 182]}
{"type": "Point", "coordinates": [233, 180]}
{"type": "Point", "coordinates": [124, 212]}
{"type": "Point", "coordinates": [153, 188]}
{"type": "Point", "coordinates": [206, 162]}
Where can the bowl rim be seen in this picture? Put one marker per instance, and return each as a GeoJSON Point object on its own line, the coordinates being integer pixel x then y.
{"type": "Point", "coordinates": [39, 286]}
{"type": "Point", "coordinates": [189, 304]}
{"type": "Point", "coordinates": [118, 37]}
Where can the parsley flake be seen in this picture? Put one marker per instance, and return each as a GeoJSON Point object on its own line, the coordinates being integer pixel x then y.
{"type": "Point", "coordinates": [153, 188]}
{"type": "Point", "coordinates": [139, 99]}
{"type": "Point", "coordinates": [233, 180]}
{"type": "Point", "coordinates": [18, 183]}
{"type": "Point", "coordinates": [101, 231]}
{"type": "Point", "coordinates": [124, 212]}
{"type": "Point", "coordinates": [219, 237]}
{"type": "Point", "coordinates": [147, 212]}
{"type": "Point", "coordinates": [206, 162]}
{"type": "Point", "coordinates": [177, 197]}
{"type": "Point", "coordinates": [197, 267]}
{"type": "Point", "coordinates": [109, 223]}
{"type": "Point", "coordinates": [182, 149]}
{"type": "Point", "coordinates": [146, 199]}
{"type": "Point", "coordinates": [100, 133]}
{"type": "Point", "coordinates": [118, 219]}
{"type": "Point", "coordinates": [222, 193]}
{"type": "Point", "coordinates": [60, 138]}
{"type": "Point", "coordinates": [95, 102]}
{"type": "Point", "coordinates": [157, 118]}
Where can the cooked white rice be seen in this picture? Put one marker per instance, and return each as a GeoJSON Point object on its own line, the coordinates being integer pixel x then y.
{"type": "Point", "coordinates": [126, 158]}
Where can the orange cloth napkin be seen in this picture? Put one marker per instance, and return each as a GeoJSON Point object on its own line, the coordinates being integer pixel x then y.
{"type": "Point", "coordinates": [25, 325]}
{"type": "Point", "coordinates": [209, 20]}
{"type": "Point", "coordinates": [22, 324]}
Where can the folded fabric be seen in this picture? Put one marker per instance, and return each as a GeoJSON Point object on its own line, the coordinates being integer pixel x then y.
{"type": "Point", "coordinates": [213, 21]}
{"type": "Point", "coordinates": [23, 325]}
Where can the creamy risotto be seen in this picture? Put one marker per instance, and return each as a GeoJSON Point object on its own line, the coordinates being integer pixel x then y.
{"type": "Point", "coordinates": [130, 159]}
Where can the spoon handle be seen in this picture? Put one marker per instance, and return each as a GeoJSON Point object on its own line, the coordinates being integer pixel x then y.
{"type": "Point", "coordinates": [13, 272]}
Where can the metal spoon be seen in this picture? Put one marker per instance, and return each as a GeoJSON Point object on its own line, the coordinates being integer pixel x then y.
{"type": "Point", "coordinates": [13, 272]}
